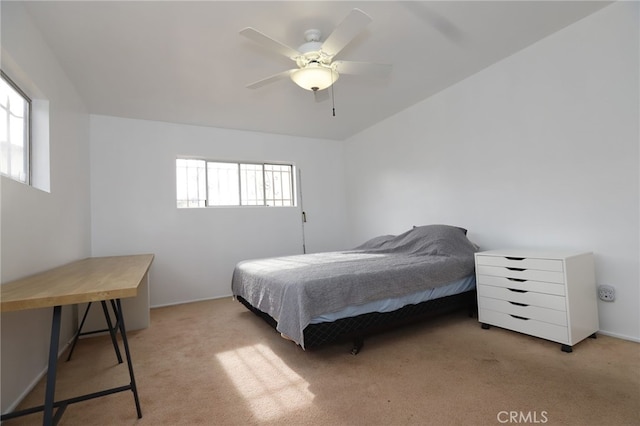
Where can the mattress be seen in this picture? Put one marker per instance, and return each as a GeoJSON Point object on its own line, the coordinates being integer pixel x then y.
{"type": "Point", "coordinates": [459, 286]}
{"type": "Point", "coordinates": [365, 324]}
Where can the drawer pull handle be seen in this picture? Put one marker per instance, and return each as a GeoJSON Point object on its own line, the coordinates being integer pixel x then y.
{"type": "Point", "coordinates": [517, 269]}
{"type": "Point", "coordinates": [520, 280]}
{"type": "Point", "coordinates": [515, 290]}
{"type": "Point", "coordinates": [518, 304]}
{"type": "Point", "coordinates": [515, 258]}
{"type": "Point", "coordinates": [519, 317]}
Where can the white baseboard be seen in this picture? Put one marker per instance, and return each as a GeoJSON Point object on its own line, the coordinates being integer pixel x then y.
{"type": "Point", "coordinates": [184, 302]}
{"type": "Point", "coordinates": [619, 336]}
{"type": "Point", "coordinates": [35, 381]}
{"type": "Point", "coordinates": [603, 332]}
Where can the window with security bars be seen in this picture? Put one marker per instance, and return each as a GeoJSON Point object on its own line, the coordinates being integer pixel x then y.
{"type": "Point", "coordinates": [15, 108]}
{"type": "Point", "coordinates": [203, 183]}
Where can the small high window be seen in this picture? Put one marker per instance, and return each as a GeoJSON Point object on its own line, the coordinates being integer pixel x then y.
{"type": "Point", "coordinates": [15, 125]}
{"type": "Point", "coordinates": [203, 183]}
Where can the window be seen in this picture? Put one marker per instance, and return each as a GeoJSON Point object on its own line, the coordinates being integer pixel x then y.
{"type": "Point", "coordinates": [15, 109]}
{"type": "Point", "coordinates": [191, 183]}
{"type": "Point", "coordinates": [202, 183]}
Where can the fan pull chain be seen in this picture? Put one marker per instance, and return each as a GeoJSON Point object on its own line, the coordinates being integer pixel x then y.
{"type": "Point", "coordinates": [333, 101]}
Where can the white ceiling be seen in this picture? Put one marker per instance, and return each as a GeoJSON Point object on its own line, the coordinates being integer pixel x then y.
{"type": "Point", "coordinates": [184, 62]}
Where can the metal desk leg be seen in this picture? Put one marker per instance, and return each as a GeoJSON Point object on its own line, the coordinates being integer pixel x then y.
{"type": "Point", "coordinates": [51, 372]}
{"type": "Point", "coordinates": [123, 333]}
{"type": "Point", "coordinates": [79, 332]}
{"type": "Point", "coordinates": [112, 330]}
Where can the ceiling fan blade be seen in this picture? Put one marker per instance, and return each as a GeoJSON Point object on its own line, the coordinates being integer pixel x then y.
{"type": "Point", "coordinates": [268, 42]}
{"type": "Point", "coordinates": [362, 68]}
{"type": "Point", "coordinates": [351, 26]}
{"type": "Point", "coordinates": [443, 25]}
{"type": "Point", "coordinates": [270, 79]}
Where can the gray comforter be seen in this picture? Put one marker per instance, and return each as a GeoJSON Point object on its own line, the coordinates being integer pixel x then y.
{"type": "Point", "coordinates": [295, 289]}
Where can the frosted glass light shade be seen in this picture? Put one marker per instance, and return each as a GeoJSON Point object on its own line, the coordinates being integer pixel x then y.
{"type": "Point", "coordinates": [314, 77]}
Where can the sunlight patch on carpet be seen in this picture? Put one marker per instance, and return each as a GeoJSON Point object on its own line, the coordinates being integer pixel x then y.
{"type": "Point", "coordinates": [269, 387]}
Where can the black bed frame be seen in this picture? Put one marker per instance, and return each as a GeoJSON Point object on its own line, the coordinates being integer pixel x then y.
{"type": "Point", "coordinates": [358, 327]}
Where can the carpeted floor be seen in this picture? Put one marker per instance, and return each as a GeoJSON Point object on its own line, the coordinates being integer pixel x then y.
{"type": "Point", "coordinates": [215, 363]}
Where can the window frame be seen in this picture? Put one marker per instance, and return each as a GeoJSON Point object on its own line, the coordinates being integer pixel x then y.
{"type": "Point", "coordinates": [27, 131]}
{"type": "Point", "coordinates": [242, 198]}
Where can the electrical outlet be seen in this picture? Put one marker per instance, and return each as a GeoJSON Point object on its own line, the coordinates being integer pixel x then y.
{"type": "Point", "coordinates": [606, 293]}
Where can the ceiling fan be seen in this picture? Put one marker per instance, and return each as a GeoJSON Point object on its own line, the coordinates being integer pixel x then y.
{"type": "Point", "coordinates": [316, 68]}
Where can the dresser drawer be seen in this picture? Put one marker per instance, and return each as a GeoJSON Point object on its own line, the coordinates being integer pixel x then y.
{"type": "Point", "coordinates": [549, 294]}
{"type": "Point", "coordinates": [521, 274]}
{"type": "Point", "coordinates": [545, 330]}
{"type": "Point", "coordinates": [522, 310]}
{"type": "Point", "coordinates": [521, 262]}
{"type": "Point", "coordinates": [550, 301]}
{"type": "Point", "coordinates": [527, 285]}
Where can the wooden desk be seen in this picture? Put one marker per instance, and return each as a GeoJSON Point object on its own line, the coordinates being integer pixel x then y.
{"type": "Point", "coordinates": [88, 280]}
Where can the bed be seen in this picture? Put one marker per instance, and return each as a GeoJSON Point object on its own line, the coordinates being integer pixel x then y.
{"type": "Point", "coordinates": [313, 299]}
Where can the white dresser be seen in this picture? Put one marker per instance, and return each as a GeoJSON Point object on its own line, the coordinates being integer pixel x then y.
{"type": "Point", "coordinates": [551, 295]}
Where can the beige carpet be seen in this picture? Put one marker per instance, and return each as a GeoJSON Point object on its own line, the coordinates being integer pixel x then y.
{"type": "Point", "coordinates": [215, 363]}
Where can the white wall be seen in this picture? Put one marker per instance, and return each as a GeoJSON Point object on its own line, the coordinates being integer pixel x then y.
{"type": "Point", "coordinates": [538, 150]}
{"type": "Point", "coordinates": [41, 229]}
{"type": "Point", "coordinates": [133, 189]}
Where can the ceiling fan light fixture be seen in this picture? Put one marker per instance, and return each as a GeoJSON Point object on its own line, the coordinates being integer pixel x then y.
{"type": "Point", "coordinates": [315, 77]}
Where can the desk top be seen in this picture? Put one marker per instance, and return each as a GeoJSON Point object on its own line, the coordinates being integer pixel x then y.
{"type": "Point", "coordinates": [87, 280]}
